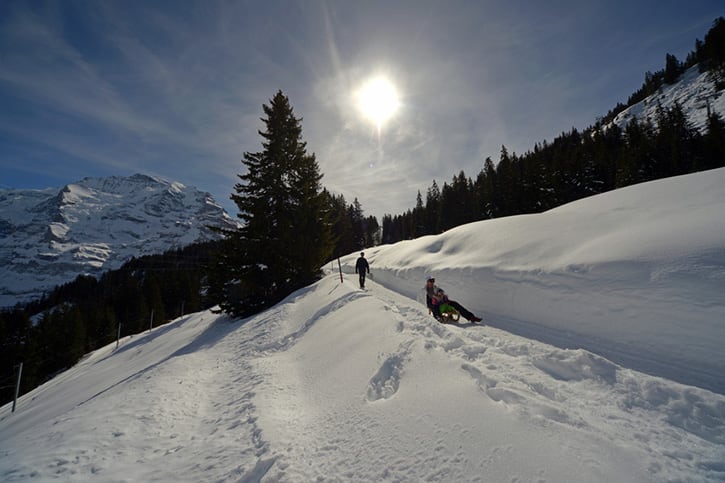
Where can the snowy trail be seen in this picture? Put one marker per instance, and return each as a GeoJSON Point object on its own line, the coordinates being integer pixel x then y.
{"type": "Point", "coordinates": [158, 408]}
{"type": "Point", "coordinates": [441, 402]}
{"type": "Point", "coordinates": [341, 384]}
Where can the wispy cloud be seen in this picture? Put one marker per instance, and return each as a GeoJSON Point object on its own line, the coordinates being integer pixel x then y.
{"type": "Point", "coordinates": [176, 89]}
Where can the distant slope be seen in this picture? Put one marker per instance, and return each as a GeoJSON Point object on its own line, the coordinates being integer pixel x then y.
{"type": "Point", "coordinates": [50, 236]}
{"type": "Point", "coordinates": [635, 274]}
{"type": "Point", "coordinates": [695, 92]}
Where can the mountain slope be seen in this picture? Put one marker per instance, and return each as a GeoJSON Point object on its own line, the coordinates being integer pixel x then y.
{"type": "Point", "coordinates": [341, 384]}
{"type": "Point", "coordinates": [695, 92]}
{"type": "Point", "coordinates": [50, 236]}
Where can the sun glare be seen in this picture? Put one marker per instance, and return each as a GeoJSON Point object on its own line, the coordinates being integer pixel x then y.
{"type": "Point", "coordinates": [378, 100]}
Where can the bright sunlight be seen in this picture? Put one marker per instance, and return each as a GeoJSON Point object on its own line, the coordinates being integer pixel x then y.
{"type": "Point", "coordinates": [378, 100]}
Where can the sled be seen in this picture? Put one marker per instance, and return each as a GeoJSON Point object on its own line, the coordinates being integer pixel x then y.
{"type": "Point", "coordinates": [449, 314]}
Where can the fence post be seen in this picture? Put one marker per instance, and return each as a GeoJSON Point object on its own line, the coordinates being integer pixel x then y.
{"type": "Point", "coordinates": [151, 322]}
{"type": "Point", "coordinates": [340, 267]}
{"type": "Point", "coordinates": [17, 386]}
{"type": "Point", "coordinates": [118, 337]}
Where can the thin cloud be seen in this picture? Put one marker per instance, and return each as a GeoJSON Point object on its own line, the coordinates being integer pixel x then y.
{"type": "Point", "coordinates": [176, 90]}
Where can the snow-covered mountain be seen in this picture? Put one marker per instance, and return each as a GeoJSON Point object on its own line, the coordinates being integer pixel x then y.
{"type": "Point", "coordinates": [695, 92]}
{"type": "Point", "coordinates": [341, 384]}
{"type": "Point", "coordinates": [50, 236]}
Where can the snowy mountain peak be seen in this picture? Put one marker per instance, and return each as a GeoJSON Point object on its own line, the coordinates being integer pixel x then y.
{"type": "Point", "coordinates": [52, 235]}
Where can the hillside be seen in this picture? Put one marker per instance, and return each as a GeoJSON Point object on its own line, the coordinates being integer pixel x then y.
{"type": "Point", "coordinates": [336, 383]}
{"type": "Point", "coordinates": [695, 92]}
{"type": "Point", "coordinates": [51, 236]}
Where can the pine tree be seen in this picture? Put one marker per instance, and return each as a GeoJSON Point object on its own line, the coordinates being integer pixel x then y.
{"type": "Point", "coordinates": [433, 209]}
{"type": "Point", "coordinates": [713, 143]}
{"type": "Point", "coordinates": [355, 213]}
{"type": "Point", "coordinates": [285, 238]}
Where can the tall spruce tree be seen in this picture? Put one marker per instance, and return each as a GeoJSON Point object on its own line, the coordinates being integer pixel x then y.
{"type": "Point", "coordinates": [285, 237]}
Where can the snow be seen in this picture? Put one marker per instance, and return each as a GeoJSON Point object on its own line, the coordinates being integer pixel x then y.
{"type": "Point", "coordinates": [342, 384]}
{"type": "Point", "coordinates": [49, 237]}
{"type": "Point", "coordinates": [695, 92]}
{"type": "Point", "coordinates": [647, 261]}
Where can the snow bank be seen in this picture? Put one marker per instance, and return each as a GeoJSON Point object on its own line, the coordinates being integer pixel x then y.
{"type": "Point", "coordinates": [635, 275]}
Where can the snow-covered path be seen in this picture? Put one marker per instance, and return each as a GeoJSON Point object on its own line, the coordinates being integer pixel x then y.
{"type": "Point", "coordinates": [423, 401]}
{"type": "Point", "coordinates": [348, 385]}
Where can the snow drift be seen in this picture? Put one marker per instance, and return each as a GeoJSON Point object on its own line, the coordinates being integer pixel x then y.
{"type": "Point", "coordinates": [636, 275]}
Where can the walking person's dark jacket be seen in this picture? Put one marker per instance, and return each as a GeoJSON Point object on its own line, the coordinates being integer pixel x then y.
{"type": "Point", "coordinates": [362, 267]}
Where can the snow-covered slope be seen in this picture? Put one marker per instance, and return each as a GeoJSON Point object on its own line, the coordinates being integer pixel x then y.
{"type": "Point", "coordinates": [50, 236]}
{"type": "Point", "coordinates": [636, 275]}
{"type": "Point", "coordinates": [694, 92]}
{"type": "Point", "coordinates": [340, 384]}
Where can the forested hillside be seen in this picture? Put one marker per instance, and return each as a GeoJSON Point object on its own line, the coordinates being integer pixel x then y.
{"type": "Point", "coordinates": [582, 163]}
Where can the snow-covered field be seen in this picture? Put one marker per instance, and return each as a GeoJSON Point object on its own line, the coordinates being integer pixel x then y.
{"type": "Point", "coordinates": [340, 384]}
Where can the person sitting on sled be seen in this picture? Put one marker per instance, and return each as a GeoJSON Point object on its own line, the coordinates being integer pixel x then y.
{"type": "Point", "coordinates": [435, 297]}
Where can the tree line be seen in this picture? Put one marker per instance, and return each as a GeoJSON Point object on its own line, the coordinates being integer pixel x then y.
{"type": "Point", "coordinates": [708, 55]}
{"type": "Point", "coordinates": [577, 164]}
{"type": "Point", "coordinates": [52, 333]}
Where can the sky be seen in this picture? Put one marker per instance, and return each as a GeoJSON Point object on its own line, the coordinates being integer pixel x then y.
{"type": "Point", "coordinates": [175, 89]}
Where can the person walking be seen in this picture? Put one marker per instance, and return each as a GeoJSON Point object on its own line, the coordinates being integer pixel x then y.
{"type": "Point", "coordinates": [362, 268]}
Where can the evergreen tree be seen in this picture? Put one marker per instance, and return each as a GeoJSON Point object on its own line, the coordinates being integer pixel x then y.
{"type": "Point", "coordinates": [433, 209]}
{"type": "Point", "coordinates": [419, 228]}
{"type": "Point", "coordinates": [285, 238]}
{"type": "Point", "coordinates": [673, 69]}
{"type": "Point", "coordinates": [355, 213]}
{"type": "Point", "coordinates": [713, 50]}
{"type": "Point", "coordinates": [341, 224]}
{"type": "Point", "coordinates": [713, 152]}
{"type": "Point", "coordinates": [372, 232]}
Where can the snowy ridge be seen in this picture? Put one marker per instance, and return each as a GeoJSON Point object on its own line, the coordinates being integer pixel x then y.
{"type": "Point", "coordinates": [336, 383]}
{"type": "Point", "coordinates": [50, 236]}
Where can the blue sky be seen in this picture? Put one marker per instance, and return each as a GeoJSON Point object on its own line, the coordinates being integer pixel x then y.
{"type": "Point", "coordinates": [175, 88]}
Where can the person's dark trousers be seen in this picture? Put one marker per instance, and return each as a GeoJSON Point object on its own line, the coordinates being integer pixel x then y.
{"type": "Point", "coordinates": [465, 313]}
{"type": "Point", "coordinates": [436, 309]}
{"type": "Point", "coordinates": [362, 279]}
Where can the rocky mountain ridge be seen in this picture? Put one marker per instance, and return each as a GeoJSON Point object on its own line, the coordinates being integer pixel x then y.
{"type": "Point", "coordinates": [50, 236]}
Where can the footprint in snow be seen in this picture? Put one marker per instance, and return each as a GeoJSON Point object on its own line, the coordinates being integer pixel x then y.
{"type": "Point", "coordinates": [384, 384]}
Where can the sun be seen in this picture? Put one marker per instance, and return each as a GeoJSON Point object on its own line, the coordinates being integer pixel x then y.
{"type": "Point", "coordinates": [377, 100]}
